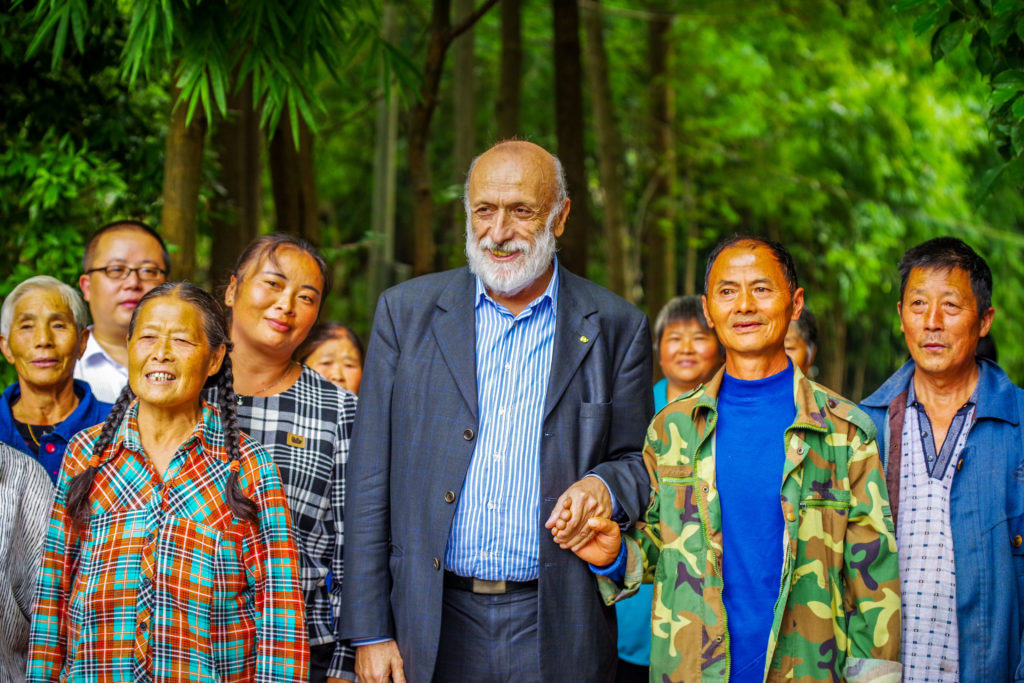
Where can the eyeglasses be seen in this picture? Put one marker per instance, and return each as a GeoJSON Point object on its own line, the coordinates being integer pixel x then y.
{"type": "Point", "coordinates": [119, 272]}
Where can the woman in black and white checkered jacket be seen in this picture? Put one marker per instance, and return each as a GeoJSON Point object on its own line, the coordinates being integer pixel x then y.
{"type": "Point", "coordinates": [274, 296]}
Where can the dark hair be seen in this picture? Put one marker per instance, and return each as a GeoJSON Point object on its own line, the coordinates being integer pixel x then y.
{"type": "Point", "coordinates": [807, 326]}
{"type": "Point", "coordinates": [679, 309]}
{"type": "Point", "coordinates": [138, 226]}
{"type": "Point", "coordinates": [947, 253]}
{"type": "Point", "coordinates": [267, 247]}
{"type": "Point", "coordinates": [987, 348]}
{"type": "Point", "coordinates": [216, 330]}
{"type": "Point", "coordinates": [780, 253]}
{"type": "Point", "coordinates": [325, 332]}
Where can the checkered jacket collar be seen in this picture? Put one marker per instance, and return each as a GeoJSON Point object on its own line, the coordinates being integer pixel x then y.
{"type": "Point", "coordinates": [207, 437]}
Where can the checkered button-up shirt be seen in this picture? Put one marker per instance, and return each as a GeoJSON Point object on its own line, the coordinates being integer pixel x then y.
{"type": "Point", "coordinates": [165, 584]}
{"type": "Point", "coordinates": [924, 537]}
{"type": "Point", "coordinates": [306, 430]}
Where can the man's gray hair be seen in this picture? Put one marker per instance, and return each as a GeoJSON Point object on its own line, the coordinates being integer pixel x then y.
{"type": "Point", "coordinates": [70, 296]}
{"type": "Point", "coordinates": [561, 190]}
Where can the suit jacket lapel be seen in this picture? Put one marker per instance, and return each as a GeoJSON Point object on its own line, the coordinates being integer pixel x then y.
{"type": "Point", "coordinates": [575, 334]}
{"type": "Point", "coordinates": [455, 330]}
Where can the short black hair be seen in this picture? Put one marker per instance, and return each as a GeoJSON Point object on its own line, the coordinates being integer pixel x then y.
{"type": "Point", "coordinates": [679, 309]}
{"type": "Point", "coordinates": [780, 253]}
{"type": "Point", "coordinates": [807, 326]}
{"type": "Point", "coordinates": [947, 253]}
{"type": "Point", "coordinates": [987, 349]}
{"type": "Point", "coordinates": [324, 332]}
{"type": "Point", "coordinates": [124, 224]}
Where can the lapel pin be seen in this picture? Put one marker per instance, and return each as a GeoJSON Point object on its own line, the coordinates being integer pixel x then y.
{"type": "Point", "coordinates": [584, 340]}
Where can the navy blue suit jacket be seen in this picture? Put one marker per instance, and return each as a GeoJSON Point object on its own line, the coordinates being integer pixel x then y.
{"type": "Point", "coordinates": [415, 431]}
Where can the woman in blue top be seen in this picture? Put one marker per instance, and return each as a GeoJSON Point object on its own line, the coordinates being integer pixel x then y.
{"type": "Point", "coordinates": [42, 334]}
{"type": "Point", "coordinates": [689, 354]}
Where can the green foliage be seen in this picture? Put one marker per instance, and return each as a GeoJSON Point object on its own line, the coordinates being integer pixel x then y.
{"type": "Point", "coordinates": [77, 149]}
{"type": "Point", "coordinates": [212, 47]}
{"type": "Point", "coordinates": [996, 31]}
{"type": "Point", "coordinates": [54, 191]}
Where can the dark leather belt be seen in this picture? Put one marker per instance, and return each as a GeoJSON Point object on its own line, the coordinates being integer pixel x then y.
{"type": "Point", "coordinates": [468, 583]}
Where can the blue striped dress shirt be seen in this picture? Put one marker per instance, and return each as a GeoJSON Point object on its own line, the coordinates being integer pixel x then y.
{"type": "Point", "coordinates": [495, 534]}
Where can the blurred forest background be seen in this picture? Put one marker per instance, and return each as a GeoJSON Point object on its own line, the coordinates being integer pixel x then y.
{"type": "Point", "coordinates": [847, 129]}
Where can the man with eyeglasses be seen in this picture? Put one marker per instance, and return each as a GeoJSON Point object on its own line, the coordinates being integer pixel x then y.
{"type": "Point", "coordinates": [123, 260]}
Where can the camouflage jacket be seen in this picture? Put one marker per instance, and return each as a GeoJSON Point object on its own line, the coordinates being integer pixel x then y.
{"type": "Point", "coordinates": [837, 616]}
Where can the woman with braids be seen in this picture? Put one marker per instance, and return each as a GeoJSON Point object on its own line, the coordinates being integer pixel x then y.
{"type": "Point", "coordinates": [303, 421]}
{"type": "Point", "coordinates": [169, 555]}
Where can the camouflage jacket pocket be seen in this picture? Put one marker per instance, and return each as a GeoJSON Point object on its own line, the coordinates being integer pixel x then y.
{"type": "Point", "coordinates": [824, 514]}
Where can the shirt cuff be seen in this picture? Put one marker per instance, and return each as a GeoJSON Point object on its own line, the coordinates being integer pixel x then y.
{"type": "Point", "coordinates": [618, 515]}
{"type": "Point", "coordinates": [616, 571]}
{"type": "Point", "coordinates": [359, 642]}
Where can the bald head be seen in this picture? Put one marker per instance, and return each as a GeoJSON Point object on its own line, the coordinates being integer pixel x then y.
{"type": "Point", "coordinates": [514, 161]}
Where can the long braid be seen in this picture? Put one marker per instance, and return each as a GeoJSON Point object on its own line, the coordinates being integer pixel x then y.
{"type": "Point", "coordinates": [240, 505]}
{"type": "Point", "coordinates": [78, 491]}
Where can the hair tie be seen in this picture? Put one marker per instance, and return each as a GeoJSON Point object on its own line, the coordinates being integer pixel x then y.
{"type": "Point", "coordinates": [234, 465]}
{"type": "Point", "coordinates": [94, 461]}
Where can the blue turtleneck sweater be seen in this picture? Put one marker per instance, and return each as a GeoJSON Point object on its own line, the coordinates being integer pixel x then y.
{"type": "Point", "coordinates": [750, 453]}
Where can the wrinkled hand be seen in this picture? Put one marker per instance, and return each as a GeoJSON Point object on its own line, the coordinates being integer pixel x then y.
{"type": "Point", "coordinates": [604, 546]}
{"type": "Point", "coordinates": [587, 498]}
{"type": "Point", "coordinates": [379, 663]}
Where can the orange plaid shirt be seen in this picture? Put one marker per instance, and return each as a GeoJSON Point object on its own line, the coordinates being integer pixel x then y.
{"type": "Point", "coordinates": [165, 584]}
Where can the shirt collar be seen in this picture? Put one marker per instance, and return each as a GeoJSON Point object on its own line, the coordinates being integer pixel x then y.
{"type": "Point", "coordinates": [550, 293]}
{"type": "Point", "coordinates": [207, 435]}
{"type": "Point", "coordinates": [94, 351]}
{"type": "Point", "coordinates": [912, 398]}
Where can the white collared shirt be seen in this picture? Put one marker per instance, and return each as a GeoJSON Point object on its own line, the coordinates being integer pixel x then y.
{"type": "Point", "coordinates": [106, 377]}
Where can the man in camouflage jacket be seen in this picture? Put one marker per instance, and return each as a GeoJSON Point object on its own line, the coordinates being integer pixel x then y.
{"type": "Point", "coordinates": [837, 611]}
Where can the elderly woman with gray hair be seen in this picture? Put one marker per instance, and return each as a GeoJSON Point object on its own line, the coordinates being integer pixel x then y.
{"type": "Point", "coordinates": [42, 334]}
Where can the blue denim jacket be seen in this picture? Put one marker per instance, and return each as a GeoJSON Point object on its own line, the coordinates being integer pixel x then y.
{"type": "Point", "coordinates": [986, 515]}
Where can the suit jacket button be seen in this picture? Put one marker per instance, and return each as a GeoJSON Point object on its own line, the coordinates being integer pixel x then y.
{"type": "Point", "coordinates": [437, 563]}
{"type": "Point", "coordinates": [960, 465]}
{"type": "Point", "coordinates": [449, 496]}
{"type": "Point", "coordinates": [1017, 540]}
{"type": "Point", "coordinates": [468, 435]}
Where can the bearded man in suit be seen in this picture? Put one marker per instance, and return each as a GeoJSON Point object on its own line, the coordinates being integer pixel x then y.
{"type": "Point", "coordinates": [503, 405]}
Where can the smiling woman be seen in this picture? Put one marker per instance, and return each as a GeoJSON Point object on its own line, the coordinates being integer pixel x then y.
{"type": "Point", "coordinates": [42, 334]}
{"type": "Point", "coordinates": [169, 553]}
{"type": "Point", "coordinates": [303, 420]}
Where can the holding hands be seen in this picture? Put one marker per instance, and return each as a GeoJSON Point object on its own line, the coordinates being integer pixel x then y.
{"type": "Point", "coordinates": [581, 522]}
{"type": "Point", "coordinates": [589, 497]}
{"type": "Point", "coordinates": [604, 544]}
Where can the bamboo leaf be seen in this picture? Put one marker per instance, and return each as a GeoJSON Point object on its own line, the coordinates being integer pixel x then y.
{"type": "Point", "coordinates": [1010, 79]}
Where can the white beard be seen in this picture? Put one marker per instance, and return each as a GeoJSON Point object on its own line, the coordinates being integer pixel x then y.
{"type": "Point", "coordinates": [508, 279]}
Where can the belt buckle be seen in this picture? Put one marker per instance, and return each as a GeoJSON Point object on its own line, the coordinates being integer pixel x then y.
{"type": "Point", "coordinates": [488, 587]}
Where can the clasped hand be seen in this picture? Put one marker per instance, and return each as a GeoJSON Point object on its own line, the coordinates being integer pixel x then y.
{"type": "Point", "coordinates": [580, 522]}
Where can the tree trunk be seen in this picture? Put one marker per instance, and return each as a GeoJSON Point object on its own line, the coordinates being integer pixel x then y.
{"type": "Point", "coordinates": [293, 180]}
{"type": "Point", "coordinates": [860, 369]}
{"type": "Point", "coordinates": [419, 131]}
{"type": "Point", "coordinates": [660, 232]}
{"type": "Point", "coordinates": [509, 92]}
{"type": "Point", "coordinates": [568, 93]}
{"type": "Point", "coordinates": [609, 155]}
{"type": "Point", "coordinates": [692, 278]}
{"type": "Point", "coordinates": [836, 369]}
{"type": "Point", "coordinates": [441, 36]}
{"type": "Point", "coordinates": [382, 251]}
{"type": "Point", "coordinates": [183, 163]}
{"type": "Point", "coordinates": [464, 94]}
{"type": "Point", "coordinates": [237, 213]}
